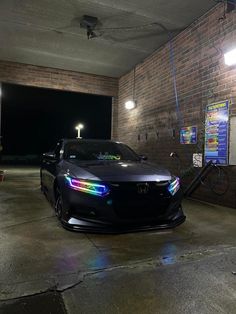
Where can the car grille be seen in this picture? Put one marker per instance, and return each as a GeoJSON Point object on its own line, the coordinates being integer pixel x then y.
{"type": "Point", "coordinates": [132, 203]}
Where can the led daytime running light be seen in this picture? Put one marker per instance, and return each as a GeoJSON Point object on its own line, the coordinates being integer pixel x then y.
{"type": "Point", "coordinates": [88, 187]}
{"type": "Point", "coordinates": [174, 186]}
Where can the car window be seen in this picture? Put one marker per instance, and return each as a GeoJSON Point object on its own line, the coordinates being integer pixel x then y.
{"type": "Point", "coordinates": [99, 151]}
{"type": "Point", "coordinates": [57, 150]}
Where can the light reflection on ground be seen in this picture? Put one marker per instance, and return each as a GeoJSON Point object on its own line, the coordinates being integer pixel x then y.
{"type": "Point", "coordinates": [168, 252]}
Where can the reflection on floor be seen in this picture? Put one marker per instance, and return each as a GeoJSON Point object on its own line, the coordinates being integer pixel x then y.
{"type": "Point", "coordinates": [186, 270]}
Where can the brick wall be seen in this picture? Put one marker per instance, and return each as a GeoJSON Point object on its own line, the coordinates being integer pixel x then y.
{"type": "Point", "coordinates": [29, 75]}
{"type": "Point", "coordinates": [202, 78]}
{"type": "Point", "coordinates": [17, 73]}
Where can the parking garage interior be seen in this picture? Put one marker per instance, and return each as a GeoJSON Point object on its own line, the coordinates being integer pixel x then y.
{"type": "Point", "coordinates": [175, 62]}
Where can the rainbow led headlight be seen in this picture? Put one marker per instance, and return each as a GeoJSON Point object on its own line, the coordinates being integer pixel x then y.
{"type": "Point", "coordinates": [174, 186]}
{"type": "Point", "coordinates": [88, 187]}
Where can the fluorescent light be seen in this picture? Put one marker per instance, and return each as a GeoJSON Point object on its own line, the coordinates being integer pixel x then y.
{"type": "Point", "coordinates": [230, 57]}
{"type": "Point", "coordinates": [130, 104]}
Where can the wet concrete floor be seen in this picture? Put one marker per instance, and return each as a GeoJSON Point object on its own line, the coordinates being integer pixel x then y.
{"type": "Point", "coordinates": [190, 269]}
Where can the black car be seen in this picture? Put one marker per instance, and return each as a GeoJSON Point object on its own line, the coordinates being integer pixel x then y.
{"type": "Point", "coordinates": [104, 186]}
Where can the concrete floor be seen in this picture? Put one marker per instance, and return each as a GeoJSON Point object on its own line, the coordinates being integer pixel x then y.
{"type": "Point", "coordinates": [46, 269]}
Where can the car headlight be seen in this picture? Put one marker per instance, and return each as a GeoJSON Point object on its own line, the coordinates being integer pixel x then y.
{"type": "Point", "coordinates": [174, 185]}
{"type": "Point", "coordinates": [87, 186]}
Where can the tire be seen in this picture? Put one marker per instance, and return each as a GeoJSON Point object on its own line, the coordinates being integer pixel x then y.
{"type": "Point", "coordinates": [219, 181]}
{"type": "Point", "coordinates": [41, 184]}
{"type": "Point", "coordinates": [58, 205]}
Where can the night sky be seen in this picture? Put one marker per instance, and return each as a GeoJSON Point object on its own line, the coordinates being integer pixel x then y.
{"type": "Point", "coordinates": [33, 119]}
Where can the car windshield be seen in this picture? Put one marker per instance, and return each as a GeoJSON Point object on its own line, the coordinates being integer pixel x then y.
{"type": "Point", "coordinates": [99, 151]}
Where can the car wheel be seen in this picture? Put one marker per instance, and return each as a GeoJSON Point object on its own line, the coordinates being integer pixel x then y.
{"type": "Point", "coordinates": [59, 204]}
{"type": "Point", "coordinates": [43, 190]}
{"type": "Point", "coordinates": [41, 184]}
{"type": "Point", "coordinates": [42, 187]}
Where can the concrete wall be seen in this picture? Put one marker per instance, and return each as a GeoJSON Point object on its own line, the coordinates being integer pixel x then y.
{"type": "Point", "coordinates": [202, 78]}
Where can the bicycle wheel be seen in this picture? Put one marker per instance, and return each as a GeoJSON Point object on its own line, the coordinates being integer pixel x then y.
{"type": "Point", "coordinates": [218, 180]}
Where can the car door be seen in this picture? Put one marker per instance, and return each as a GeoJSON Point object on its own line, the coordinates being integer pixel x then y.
{"type": "Point", "coordinates": [49, 169]}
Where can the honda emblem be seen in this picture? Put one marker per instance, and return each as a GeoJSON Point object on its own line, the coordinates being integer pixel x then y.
{"type": "Point", "coordinates": [143, 188]}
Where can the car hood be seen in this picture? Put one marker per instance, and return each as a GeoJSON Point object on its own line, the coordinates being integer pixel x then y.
{"type": "Point", "coordinates": [117, 171]}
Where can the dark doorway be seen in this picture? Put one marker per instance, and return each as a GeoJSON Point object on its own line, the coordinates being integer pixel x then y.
{"type": "Point", "coordinates": [34, 119]}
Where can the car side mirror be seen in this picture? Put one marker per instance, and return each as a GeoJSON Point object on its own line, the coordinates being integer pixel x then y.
{"type": "Point", "coordinates": [143, 157]}
{"type": "Point", "coordinates": [174, 155]}
{"type": "Point", "coordinates": [50, 156]}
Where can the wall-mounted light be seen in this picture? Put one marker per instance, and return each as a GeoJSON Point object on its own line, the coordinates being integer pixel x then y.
{"type": "Point", "coordinates": [230, 57]}
{"type": "Point", "coordinates": [132, 103]}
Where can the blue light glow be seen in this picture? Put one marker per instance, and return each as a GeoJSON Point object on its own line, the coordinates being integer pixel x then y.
{"type": "Point", "coordinates": [174, 186]}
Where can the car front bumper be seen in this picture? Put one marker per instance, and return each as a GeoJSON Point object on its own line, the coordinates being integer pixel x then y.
{"type": "Point", "coordinates": [121, 213]}
{"type": "Point", "coordinates": [96, 226]}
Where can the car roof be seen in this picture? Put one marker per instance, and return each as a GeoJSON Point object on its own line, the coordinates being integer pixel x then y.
{"type": "Point", "coordinates": [74, 140]}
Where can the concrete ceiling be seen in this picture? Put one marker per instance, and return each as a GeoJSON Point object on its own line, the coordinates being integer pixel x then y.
{"type": "Point", "coordinates": [48, 33]}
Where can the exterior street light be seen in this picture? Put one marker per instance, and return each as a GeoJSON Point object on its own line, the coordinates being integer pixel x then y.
{"type": "Point", "coordinates": [78, 128]}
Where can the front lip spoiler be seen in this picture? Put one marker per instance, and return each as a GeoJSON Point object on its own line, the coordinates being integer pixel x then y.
{"type": "Point", "coordinates": [92, 227]}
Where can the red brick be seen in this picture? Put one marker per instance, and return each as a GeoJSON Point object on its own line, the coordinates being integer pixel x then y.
{"type": "Point", "coordinates": [201, 78]}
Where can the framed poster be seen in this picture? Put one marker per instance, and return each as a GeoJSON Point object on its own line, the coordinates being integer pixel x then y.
{"type": "Point", "coordinates": [216, 133]}
{"type": "Point", "coordinates": [188, 135]}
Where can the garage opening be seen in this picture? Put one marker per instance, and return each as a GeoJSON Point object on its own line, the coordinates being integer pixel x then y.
{"type": "Point", "coordinates": [34, 119]}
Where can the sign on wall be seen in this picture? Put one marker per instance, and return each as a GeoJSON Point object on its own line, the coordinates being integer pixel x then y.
{"type": "Point", "coordinates": [197, 160]}
{"type": "Point", "coordinates": [216, 133]}
{"type": "Point", "coordinates": [188, 135]}
{"type": "Point", "coordinates": [232, 141]}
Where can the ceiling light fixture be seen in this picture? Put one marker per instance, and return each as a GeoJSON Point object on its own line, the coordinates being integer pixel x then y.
{"type": "Point", "coordinates": [89, 23]}
{"type": "Point", "coordinates": [230, 57]}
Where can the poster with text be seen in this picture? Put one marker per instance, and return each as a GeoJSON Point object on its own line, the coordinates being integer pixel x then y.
{"type": "Point", "coordinates": [216, 133]}
{"type": "Point", "coordinates": [188, 135]}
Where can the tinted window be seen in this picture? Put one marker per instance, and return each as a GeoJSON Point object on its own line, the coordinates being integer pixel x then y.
{"type": "Point", "coordinates": [58, 149]}
{"type": "Point", "coordinates": [99, 151]}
